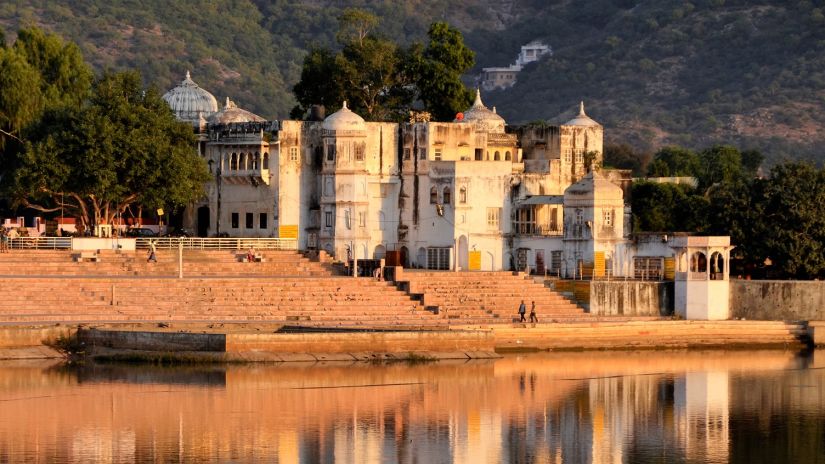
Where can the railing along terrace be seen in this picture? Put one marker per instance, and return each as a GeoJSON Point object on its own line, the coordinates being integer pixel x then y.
{"type": "Point", "coordinates": [224, 243]}
{"type": "Point", "coordinates": [41, 243]}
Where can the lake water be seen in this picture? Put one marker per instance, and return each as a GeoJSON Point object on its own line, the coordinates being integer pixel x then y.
{"type": "Point", "coordinates": [605, 407]}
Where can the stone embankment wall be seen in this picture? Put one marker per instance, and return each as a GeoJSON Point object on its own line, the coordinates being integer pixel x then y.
{"type": "Point", "coordinates": [631, 298]}
{"type": "Point", "coordinates": [777, 300]}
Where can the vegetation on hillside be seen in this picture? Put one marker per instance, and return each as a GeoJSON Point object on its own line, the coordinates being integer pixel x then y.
{"type": "Point", "coordinates": [654, 72]}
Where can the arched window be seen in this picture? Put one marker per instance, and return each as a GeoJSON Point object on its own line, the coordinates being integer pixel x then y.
{"type": "Point", "coordinates": [698, 262]}
{"type": "Point", "coordinates": [496, 156]}
{"type": "Point", "coordinates": [717, 266]}
{"type": "Point", "coordinates": [507, 156]}
{"type": "Point", "coordinates": [256, 161]}
{"type": "Point", "coordinates": [433, 195]}
{"type": "Point", "coordinates": [242, 162]}
{"type": "Point", "coordinates": [233, 162]}
{"type": "Point", "coordinates": [462, 195]}
{"type": "Point", "coordinates": [448, 197]}
{"type": "Point", "coordinates": [265, 164]}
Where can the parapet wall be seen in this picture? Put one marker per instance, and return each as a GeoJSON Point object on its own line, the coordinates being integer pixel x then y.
{"type": "Point", "coordinates": [777, 300]}
{"type": "Point", "coordinates": [631, 298]}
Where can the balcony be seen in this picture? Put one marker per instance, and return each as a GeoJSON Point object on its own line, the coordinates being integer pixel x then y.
{"type": "Point", "coordinates": [535, 229]}
{"type": "Point", "coordinates": [251, 176]}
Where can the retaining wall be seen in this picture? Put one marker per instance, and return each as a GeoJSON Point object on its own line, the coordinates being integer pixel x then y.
{"type": "Point", "coordinates": [320, 342]}
{"type": "Point", "coordinates": [777, 300]}
{"type": "Point", "coordinates": [631, 298]}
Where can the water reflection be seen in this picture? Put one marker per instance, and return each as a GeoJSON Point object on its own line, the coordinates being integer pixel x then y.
{"type": "Point", "coordinates": [569, 407]}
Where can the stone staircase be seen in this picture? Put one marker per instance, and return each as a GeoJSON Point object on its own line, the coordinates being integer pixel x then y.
{"type": "Point", "coordinates": [201, 263]}
{"type": "Point", "coordinates": [306, 301]}
{"type": "Point", "coordinates": [486, 297]}
{"type": "Point", "coordinates": [287, 288]}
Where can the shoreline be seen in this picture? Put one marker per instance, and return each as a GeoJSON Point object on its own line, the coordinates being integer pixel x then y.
{"type": "Point", "coordinates": [202, 343]}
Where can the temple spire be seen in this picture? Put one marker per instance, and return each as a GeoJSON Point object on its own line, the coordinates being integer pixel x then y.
{"type": "Point", "coordinates": [581, 109]}
{"type": "Point", "coordinates": [477, 102]}
{"type": "Point", "coordinates": [188, 77]}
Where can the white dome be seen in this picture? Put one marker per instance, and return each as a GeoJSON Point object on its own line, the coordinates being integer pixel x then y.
{"type": "Point", "coordinates": [582, 119]}
{"type": "Point", "coordinates": [344, 120]}
{"type": "Point", "coordinates": [231, 113]}
{"type": "Point", "coordinates": [482, 117]}
{"type": "Point", "coordinates": [189, 102]}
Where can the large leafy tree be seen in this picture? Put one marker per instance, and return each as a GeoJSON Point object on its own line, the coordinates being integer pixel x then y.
{"type": "Point", "coordinates": [123, 148]}
{"type": "Point", "coordinates": [793, 218]}
{"type": "Point", "coordinates": [437, 72]}
{"type": "Point", "coordinates": [40, 71]}
{"type": "Point", "coordinates": [382, 80]}
{"type": "Point", "coordinates": [675, 162]}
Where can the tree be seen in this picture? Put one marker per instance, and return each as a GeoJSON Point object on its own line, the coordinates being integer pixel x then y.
{"type": "Point", "coordinates": [122, 148]}
{"type": "Point", "coordinates": [381, 80]}
{"type": "Point", "coordinates": [674, 162]}
{"type": "Point", "coordinates": [719, 164]}
{"type": "Point", "coordinates": [437, 69]}
{"type": "Point", "coordinates": [623, 156]}
{"type": "Point", "coordinates": [65, 77]}
{"type": "Point", "coordinates": [320, 82]}
{"type": "Point", "coordinates": [355, 25]}
{"type": "Point", "coordinates": [667, 208]}
{"type": "Point", "coordinates": [368, 72]}
{"type": "Point", "coordinates": [793, 215]}
{"type": "Point", "coordinates": [21, 101]}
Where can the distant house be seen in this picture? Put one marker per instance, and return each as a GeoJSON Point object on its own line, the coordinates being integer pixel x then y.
{"type": "Point", "coordinates": [505, 77]}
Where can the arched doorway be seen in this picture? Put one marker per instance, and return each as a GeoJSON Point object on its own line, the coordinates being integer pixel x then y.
{"type": "Point", "coordinates": [463, 253]}
{"type": "Point", "coordinates": [421, 258]}
{"type": "Point", "coordinates": [379, 252]}
{"type": "Point", "coordinates": [203, 221]}
{"type": "Point", "coordinates": [405, 257]}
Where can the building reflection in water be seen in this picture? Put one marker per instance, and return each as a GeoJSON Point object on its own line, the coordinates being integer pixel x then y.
{"type": "Point", "coordinates": [543, 408]}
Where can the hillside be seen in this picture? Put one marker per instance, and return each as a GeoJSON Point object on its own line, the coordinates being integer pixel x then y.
{"type": "Point", "coordinates": [652, 71]}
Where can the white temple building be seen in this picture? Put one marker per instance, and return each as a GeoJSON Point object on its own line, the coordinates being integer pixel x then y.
{"type": "Point", "coordinates": [471, 194]}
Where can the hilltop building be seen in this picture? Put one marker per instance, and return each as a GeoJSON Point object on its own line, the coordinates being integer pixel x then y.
{"type": "Point", "coordinates": [505, 77]}
{"type": "Point", "coordinates": [469, 194]}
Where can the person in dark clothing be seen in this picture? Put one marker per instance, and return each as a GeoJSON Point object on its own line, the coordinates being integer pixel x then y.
{"type": "Point", "coordinates": [533, 317]}
{"type": "Point", "coordinates": [521, 310]}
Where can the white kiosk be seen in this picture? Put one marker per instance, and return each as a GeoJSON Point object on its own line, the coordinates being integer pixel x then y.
{"type": "Point", "coordinates": [701, 287]}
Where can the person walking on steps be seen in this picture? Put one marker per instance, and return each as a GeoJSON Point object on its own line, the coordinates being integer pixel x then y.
{"type": "Point", "coordinates": [533, 317]}
{"type": "Point", "coordinates": [152, 252]}
{"type": "Point", "coordinates": [521, 310]}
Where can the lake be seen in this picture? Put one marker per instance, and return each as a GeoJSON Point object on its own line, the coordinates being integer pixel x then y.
{"type": "Point", "coordinates": [600, 407]}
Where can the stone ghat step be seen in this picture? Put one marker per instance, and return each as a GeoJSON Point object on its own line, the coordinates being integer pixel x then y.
{"type": "Point", "coordinates": [374, 309]}
{"type": "Point", "coordinates": [332, 322]}
{"type": "Point", "coordinates": [513, 299]}
{"type": "Point", "coordinates": [295, 281]}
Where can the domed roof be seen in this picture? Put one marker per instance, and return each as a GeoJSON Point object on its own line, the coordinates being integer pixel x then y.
{"type": "Point", "coordinates": [189, 102]}
{"type": "Point", "coordinates": [482, 117]}
{"type": "Point", "coordinates": [582, 119]}
{"type": "Point", "coordinates": [231, 113]}
{"type": "Point", "coordinates": [344, 120]}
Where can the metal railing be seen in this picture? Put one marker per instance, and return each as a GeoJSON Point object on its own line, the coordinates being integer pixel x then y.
{"type": "Point", "coordinates": [65, 243]}
{"type": "Point", "coordinates": [41, 243]}
{"type": "Point", "coordinates": [226, 243]}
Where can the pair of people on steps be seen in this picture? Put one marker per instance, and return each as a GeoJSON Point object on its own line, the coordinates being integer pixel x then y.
{"type": "Point", "coordinates": [522, 309]}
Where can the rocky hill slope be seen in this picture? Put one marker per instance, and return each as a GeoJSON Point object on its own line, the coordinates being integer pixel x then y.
{"type": "Point", "coordinates": [653, 72]}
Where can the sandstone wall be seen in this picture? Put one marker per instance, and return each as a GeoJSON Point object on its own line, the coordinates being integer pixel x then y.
{"type": "Point", "coordinates": [631, 298]}
{"type": "Point", "coordinates": [777, 299]}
